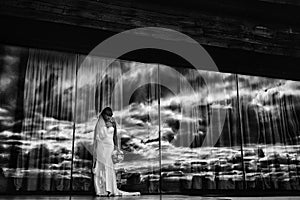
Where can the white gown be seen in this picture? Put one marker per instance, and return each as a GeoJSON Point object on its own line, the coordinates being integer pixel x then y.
{"type": "Point", "coordinates": [104, 173]}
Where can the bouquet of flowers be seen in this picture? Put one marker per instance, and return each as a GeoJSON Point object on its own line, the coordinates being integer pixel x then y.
{"type": "Point", "coordinates": [117, 156]}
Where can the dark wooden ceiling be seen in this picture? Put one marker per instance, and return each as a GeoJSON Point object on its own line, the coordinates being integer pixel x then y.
{"type": "Point", "coordinates": [259, 37]}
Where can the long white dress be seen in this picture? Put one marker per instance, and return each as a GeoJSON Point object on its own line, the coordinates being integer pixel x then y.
{"type": "Point", "coordinates": [104, 173]}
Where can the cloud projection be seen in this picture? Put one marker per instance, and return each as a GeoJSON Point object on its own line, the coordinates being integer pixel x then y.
{"type": "Point", "coordinates": [172, 114]}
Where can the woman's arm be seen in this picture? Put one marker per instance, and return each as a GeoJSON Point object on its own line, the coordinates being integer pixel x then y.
{"type": "Point", "coordinates": [115, 138]}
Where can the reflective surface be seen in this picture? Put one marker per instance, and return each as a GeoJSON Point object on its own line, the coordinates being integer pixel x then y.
{"type": "Point", "coordinates": [126, 88]}
{"type": "Point", "coordinates": [13, 65]}
{"type": "Point", "coordinates": [144, 197]}
{"type": "Point", "coordinates": [270, 126]}
{"type": "Point", "coordinates": [180, 130]}
{"type": "Point", "coordinates": [200, 139]}
{"type": "Point", "coordinates": [44, 162]}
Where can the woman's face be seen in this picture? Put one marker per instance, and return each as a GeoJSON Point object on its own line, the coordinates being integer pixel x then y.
{"type": "Point", "coordinates": [107, 116]}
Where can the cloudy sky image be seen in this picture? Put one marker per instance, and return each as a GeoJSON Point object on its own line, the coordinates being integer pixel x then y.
{"type": "Point", "coordinates": [196, 113]}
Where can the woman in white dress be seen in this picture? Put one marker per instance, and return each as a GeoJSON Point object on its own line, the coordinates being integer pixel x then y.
{"type": "Point", "coordinates": [105, 142]}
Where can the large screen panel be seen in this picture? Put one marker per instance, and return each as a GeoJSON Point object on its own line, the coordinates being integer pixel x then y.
{"type": "Point", "coordinates": [201, 146]}
{"type": "Point", "coordinates": [180, 130]}
{"type": "Point", "coordinates": [270, 124]}
{"type": "Point", "coordinates": [40, 139]}
{"type": "Point", "coordinates": [13, 61]}
{"type": "Point", "coordinates": [129, 89]}
{"type": "Point", "coordinates": [49, 100]}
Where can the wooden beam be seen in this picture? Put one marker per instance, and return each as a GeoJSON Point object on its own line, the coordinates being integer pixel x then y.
{"type": "Point", "coordinates": [55, 36]}
{"type": "Point", "coordinates": [284, 2]}
{"type": "Point", "coordinates": [258, 26]}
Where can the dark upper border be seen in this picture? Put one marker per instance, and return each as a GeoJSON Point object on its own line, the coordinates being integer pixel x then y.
{"type": "Point", "coordinates": [75, 39]}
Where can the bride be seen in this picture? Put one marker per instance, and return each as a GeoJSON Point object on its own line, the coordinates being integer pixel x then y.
{"type": "Point", "coordinates": [105, 143]}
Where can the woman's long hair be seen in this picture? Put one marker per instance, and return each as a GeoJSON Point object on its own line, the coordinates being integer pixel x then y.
{"type": "Point", "coordinates": [106, 109]}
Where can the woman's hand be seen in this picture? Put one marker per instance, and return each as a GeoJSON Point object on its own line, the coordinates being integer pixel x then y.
{"type": "Point", "coordinates": [116, 148]}
{"type": "Point", "coordinates": [113, 122]}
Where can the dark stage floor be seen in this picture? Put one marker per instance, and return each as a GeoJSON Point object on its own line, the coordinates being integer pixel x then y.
{"type": "Point", "coordinates": [144, 197]}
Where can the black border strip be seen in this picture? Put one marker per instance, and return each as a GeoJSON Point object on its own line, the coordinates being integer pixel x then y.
{"type": "Point", "coordinates": [75, 39]}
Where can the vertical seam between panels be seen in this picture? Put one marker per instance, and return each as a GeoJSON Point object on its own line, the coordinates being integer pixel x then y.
{"type": "Point", "coordinates": [74, 125]}
{"type": "Point", "coordinates": [159, 135]}
{"type": "Point", "coordinates": [240, 130]}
